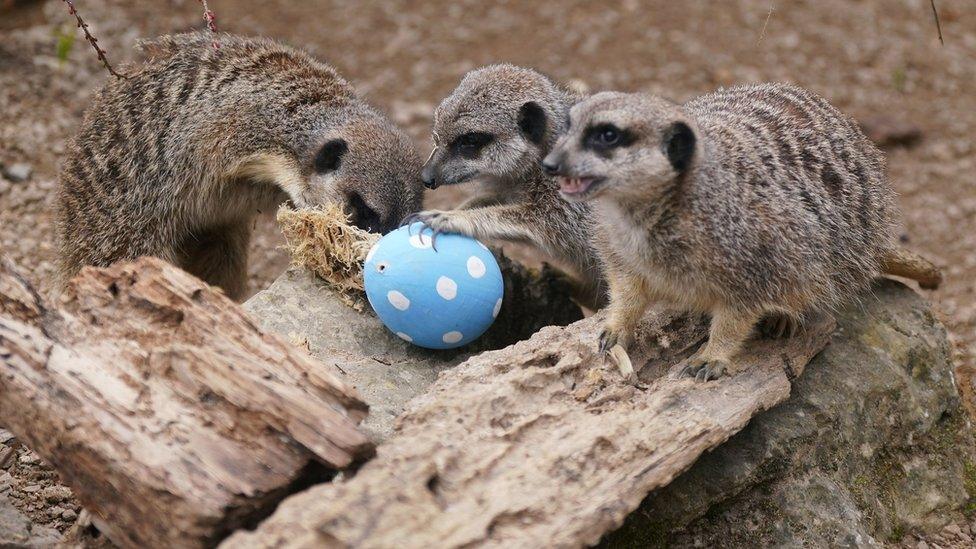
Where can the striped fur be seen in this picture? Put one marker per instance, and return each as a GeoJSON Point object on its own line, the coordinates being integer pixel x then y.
{"type": "Point", "coordinates": [783, 209]}
{"type": "Point", "coordinates": [518, 202]}
{"type": "Point", "coordinates": [176, 160]}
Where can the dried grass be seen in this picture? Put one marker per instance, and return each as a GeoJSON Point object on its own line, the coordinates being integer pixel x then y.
{"type": "Point", "coordinates": [323, 241]}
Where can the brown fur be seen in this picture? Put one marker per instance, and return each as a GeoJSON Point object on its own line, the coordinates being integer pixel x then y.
{"type": "Point", "coordinates": [751, 203]}
{"type": "Point", "coordinates": [176, 160]}
{"type": "Point", "coordinates": [518, 202]}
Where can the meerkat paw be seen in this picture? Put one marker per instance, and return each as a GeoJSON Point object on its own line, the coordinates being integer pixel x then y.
{"type": "Point", "coordinates": [778, 326]}
{"type": "Point", "coordinates": [436, 220]}
{"type": "Point", "coordinates": [611, 337]}
{"type": "Point", "coordinates": [704, 369]}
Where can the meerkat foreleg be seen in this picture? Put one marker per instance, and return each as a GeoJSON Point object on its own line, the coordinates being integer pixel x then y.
{"type": "Point", "coordinates": [514, 223]}
{"type": "Point", "coordinates": [481, 201]}
{"type": "Point", "coordinates": [729, 330]}
{"type": "Point", "coordinates": [629, 299]}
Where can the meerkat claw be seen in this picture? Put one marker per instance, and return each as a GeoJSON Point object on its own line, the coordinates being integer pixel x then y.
{"type": "Point", "coordinates": [704, 370]}
{"type": "Point", "coordinates": [608, 339]}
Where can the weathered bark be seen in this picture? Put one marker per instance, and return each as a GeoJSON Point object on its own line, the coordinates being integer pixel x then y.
{"type": "Point", "coordinates": [173, 417]}
{"type": "Point", "coordinates": [539, 444]}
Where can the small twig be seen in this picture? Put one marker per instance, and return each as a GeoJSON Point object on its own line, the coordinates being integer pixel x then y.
{"type": "Point", "coordinates": [211, 20]}
{"type": "Point", "coordinates": [92, 40]}
{"type": "Point", "coordinates": [765, 24]}
{"type": "Point", "coordinates": [938, 25]}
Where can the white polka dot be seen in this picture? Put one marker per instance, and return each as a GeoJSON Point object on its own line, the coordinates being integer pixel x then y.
{"type": "Point", "coordinates": [446, 287]}
{"type": "Point", "coordinates": [476, 267]}
{"type": "Point", "coordinates": [369, 255]}
{"type": "Point", "coordinates": [421, 241]}
{"type": "Point", "coordinates": [452, 337]}
{"type": "Point", "coordinates": [398, 300]}
{"type": "Point", "coordinates": [404, 337]}
{"type": "Point", "coordinates": [498, 307]}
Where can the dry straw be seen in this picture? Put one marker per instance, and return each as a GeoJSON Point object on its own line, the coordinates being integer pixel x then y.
{"type": "Point", "coordinates": [323, 241]}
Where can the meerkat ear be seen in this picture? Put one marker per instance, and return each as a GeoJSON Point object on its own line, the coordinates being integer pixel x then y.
{"type": "Point", "coordinates": [330, 155]}
{"type": "Point", "coordinates": [679, 145]}
{"type": "Point", "coordinates": [532, 122]}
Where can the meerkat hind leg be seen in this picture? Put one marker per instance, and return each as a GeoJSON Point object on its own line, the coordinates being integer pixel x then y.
{"type": "Point", "coordinates": [778, 326]}
{"type": "Point", "coordinates": [729, 330]}
{"type": "Point", "coordinates": [219, 257]}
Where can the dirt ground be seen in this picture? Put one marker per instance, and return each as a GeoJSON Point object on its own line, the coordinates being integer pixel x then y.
{"type": "Point", "coordinates": [879, 60]}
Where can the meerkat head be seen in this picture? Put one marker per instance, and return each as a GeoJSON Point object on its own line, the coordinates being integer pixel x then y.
{"type": "Point", "coordinates": [351, 155]}
{"type": "Point", "coordinates": [625, 146]}
{"type": "Point", "coordinates": [498, 124]}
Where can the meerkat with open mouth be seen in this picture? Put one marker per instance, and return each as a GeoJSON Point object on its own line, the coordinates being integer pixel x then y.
{"type": "Point", "coordinates": [755, 204]}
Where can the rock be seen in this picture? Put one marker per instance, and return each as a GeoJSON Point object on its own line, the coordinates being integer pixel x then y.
{"type": "Point", "coordinates": [6, 436]}
{"type": "Point", "coordinates": [386, 370]}
{"type": "Point", "coordinates": [16, 530]}
{"type": "Point", "coordinates": [18, 172]}
{"type": "Point", "coordinates": [56, 493]}
{"type": "Point", "coordinates": [69, 515]}
{"type": "Point", "coordinates": [872, 443]}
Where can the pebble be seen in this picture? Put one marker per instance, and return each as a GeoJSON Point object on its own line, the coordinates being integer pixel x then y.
{"type": "Point", "coordinates": [5, 436]}
{"type": "Point", "coordinates": [922, 545]}
{"type": "Point", "coordinates": [54, 494]}
{"type": "Point", "coordinates": [31, 488]}
{"type": "Point", "coordinates": [29, 458]}
{"type": "Point", "coordinates": [966, 538]}
{"type": "Point", "coordinates": [18, 172]}
{"type": "Point", "coordinates": [953, 529]}
{"type": "Point", "coordinates": [69, 515]}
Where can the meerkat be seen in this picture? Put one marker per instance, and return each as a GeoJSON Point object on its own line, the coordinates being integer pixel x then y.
{"type": "Point", "coordinates": [755, 204]}
{"type": "Point", "coordinates": [495, 128]}
{"type": "Point", "coordinates": [176, 160]}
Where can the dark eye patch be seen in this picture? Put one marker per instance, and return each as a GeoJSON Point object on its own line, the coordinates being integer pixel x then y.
{"type": "Point", "coordinates": [606, 137]}
{"type": "Point", "coordinates": [469, 145]}
{"type": "Point", "coordinates": [362, 215]}
{"type": "Point", "coordinates": [330, 156]}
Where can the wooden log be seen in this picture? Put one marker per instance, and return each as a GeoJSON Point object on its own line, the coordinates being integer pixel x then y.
{"type": "Point", "coordinates": [172, 416]}
{"type": "Point", "coordinates": [539, 444]}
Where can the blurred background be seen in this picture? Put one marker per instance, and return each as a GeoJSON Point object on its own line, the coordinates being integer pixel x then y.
{"type": "Point", "coordinates": [880, 61]}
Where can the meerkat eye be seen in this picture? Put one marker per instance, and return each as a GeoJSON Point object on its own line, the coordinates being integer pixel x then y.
{"type": "Point", "coordinates": [469, 145]}
{"type": "Point", "coordinates": [330, 156]}
{"type": "Point", "coordinates": [609, 136]}
{"type": "Point", "coordinates": [604, 137]}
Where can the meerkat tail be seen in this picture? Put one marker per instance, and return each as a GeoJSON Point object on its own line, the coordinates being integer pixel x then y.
{"type": "Point", "coordinates": [908, 264]}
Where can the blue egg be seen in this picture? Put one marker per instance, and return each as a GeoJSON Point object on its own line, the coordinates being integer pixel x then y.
{"type": "Point", "coordinates": [438, 299]}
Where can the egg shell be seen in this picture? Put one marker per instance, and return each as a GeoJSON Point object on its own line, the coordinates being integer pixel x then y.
{"type": "Point", "coordinates": [438, 299]}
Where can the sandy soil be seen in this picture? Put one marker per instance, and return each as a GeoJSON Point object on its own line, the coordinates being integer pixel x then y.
{"type": "Point", "coordinates": [879, 60]}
